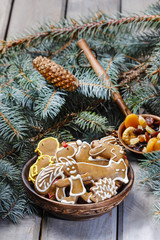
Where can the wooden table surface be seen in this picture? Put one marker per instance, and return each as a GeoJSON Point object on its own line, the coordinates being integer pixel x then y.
{"type": "Point", "coordinates": [133, 218]}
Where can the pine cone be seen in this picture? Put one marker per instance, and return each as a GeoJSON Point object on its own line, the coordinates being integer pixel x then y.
{"type": "Point", "coordinates": [55, 74]}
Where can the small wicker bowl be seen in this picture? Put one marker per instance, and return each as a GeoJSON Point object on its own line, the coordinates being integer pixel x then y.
{"type": "Point", "coordinates": [122, 128]}
{"type": "Point", "coordinates": [76, 211]}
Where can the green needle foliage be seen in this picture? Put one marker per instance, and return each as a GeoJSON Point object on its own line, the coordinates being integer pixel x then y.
{"type": "Point", "coordinates": [31, 108]}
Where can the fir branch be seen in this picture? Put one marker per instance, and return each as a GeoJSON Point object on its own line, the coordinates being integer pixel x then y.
{"type": "Point", "coordinates": [12, 124]}
{"type": "Point", "coordinates": [132, 74]}
{"type": "Point", "coordinates": [8, 172]}
{"type": "Point", "coordinates": [157, 211]}
{"type": "Point", "coordinates": [92, 122]}
{"type": "Point", "coordinates": [74, 30]}
{"type": "Point", "coordinates": [145, 94]}
{"type": "Point", "coordinates": [49, 104]}
{"type": "Point", "coordinates": [150, 175]}
{"type": "Point", "coordinates": [51, 130]}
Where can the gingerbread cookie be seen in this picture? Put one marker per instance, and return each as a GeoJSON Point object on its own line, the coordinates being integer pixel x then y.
{"type": "Point", "coordinates": [114, 170]}
{"type": "Point", "coordinates": [107, 148]}
{"type": "Point", "coordinates": [83, 154]}
{"type": "Point", "coordinates": [76, 183]}
{"type": "Point", "coordinates": [48, 146]}
{"type": "Point", "coordinates": [47, 176]}
{"type": "Point", "coordinates": [117, 171]}
{"type": "Point", "coordinates": [42, 162]}
{"type": "Point", "coordinates": [65, 153]}
{"type": "Point", "coordinates": [103, 189]}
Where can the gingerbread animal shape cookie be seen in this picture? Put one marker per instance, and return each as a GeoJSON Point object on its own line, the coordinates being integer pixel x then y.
{"type": "Point", "coordinates": [65, 153]}
{"type": "Point", "coordinates": [107, 148]}
{"type": "Point", "coordinates": [114, 170]}
{"type": "Point", "coordinates": [47, 176]}
{"type": "Point", "coordinates": [48, 146]}
{"type": "Point", "coordinates": [83, 154]}
{"type": "Point", "coordinates": [42, 162]}
{"type": "Point", "coordinates": [103, 189]}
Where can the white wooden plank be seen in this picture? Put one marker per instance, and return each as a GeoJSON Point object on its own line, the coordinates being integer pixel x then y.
{"type": "Point", "coordinates": [27, 229]}
{"type": "Point", "coordinates": [136, 6]}
{"type": "Point", "coordinates": [4, 16]}
{"type": "Point", "coordinates": [137, 221]}
{"type": "Point", "coordinates": [100, 228]}
{"type": "Point", "coordinates": [27, 14]}
{"type": "Point", "coordinates": [79, 8]}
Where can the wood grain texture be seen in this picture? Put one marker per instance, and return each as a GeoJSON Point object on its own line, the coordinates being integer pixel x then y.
{"type": "Point", "coordinates": [79, 8]}
{"type": "Point", "coordinates": [4, 16]}
{"type": "Point", "coordinates": [136, 6]}
{"type": "Point", "coordinates": [27, 229]}
{"type": "Point", "coordinates": [136, 219]}
{"type": "Point", "coordinates": [101, 228]}
{"type": "Point", "coordinates": [26, 14]}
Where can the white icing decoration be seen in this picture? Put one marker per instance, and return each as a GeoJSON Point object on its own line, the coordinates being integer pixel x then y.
{"type": "Point", "coordinates": [65, 201]}
{"type": "Point", "coordinates": [97, 159]}
{"type": "Point", "coordinates": [73, 172]}
{"type": "Point", "coordinates": [114, 154]}
{"type": "Point", "coordinates": [94, 154]}
{"type": "Point", "coordinates": [117, 170]}
{"type": "Point", "coordinates": [53, 171]}
{"type": "Point", "coordinates": [57, 189]}
{"type": "Point", "coordinates": [68, 168]}
{"type": "Point", "coordinates": [79, 142]}
{"type": "Point", "coordinates": [105, 188]}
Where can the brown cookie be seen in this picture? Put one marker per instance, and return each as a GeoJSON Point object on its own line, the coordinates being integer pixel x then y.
{"type": "Point", "coordinates": [48, 146]}
{"type": "Point", "coordinates": [65, 153]}
{"type": "Point", "coordinates": [103, 189]}
{"type": "Point", "coordinates": [107, 148]}
{"type": "Point", "coordinates": [76, 183]}
{"type": "Point", "coordinates": [42, 162]}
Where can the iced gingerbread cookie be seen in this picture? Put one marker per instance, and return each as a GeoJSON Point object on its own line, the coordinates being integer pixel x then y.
{"type": "Point", "coordinates": [48, 146]}
{"type": "Point", "coordinates": [45, 181]}
{"type": "Point", "coordinates": [42, 162]}
{"type": "Point", "coordinates": [76, 183]}
{"type": "Point", "coordinates": [103, 189]}
{"type": "Point", "coordinates": [107, 148]}
{"type": "Point", "coordinates": [67, 152]}
{"type": "Point", "coordinates": [117, 171]}
{"type": "Point", "coordinates": [83, 154]}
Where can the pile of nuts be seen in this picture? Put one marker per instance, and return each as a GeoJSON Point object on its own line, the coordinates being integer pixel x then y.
{"type": "Point", "coordinates": [142, 134]}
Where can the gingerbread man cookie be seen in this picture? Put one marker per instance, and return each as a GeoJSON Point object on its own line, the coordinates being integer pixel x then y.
{"type": "Point", "coordinates": [76, 183]}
